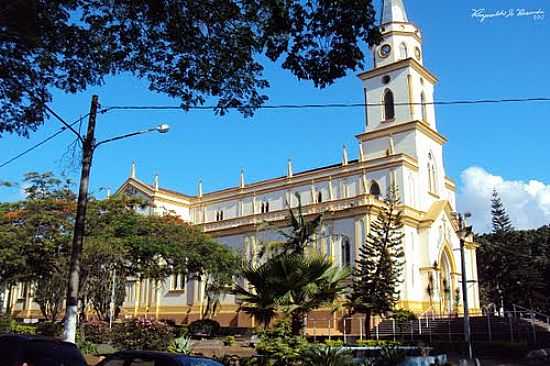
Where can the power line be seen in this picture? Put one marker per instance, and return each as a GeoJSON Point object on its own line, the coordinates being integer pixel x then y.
{"type": "Point", "coordinates": [282, 106]}
{"type": "Point", "coordinates": [336, 105]}
{"type": "Point", "coordinates": [34, 147]}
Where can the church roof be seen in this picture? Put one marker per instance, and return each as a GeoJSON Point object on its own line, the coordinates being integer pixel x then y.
{"type": "Point", "coordinates": [393, 11]}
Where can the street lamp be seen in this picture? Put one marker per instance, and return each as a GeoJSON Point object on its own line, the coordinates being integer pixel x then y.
{"type": "Point", "coordinates": [464, 232]}
{"type": "Point", "coordinates": [88, 147]}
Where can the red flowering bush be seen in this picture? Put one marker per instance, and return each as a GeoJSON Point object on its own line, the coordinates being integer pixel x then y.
{"type": "Point", "coordinates": [97, 332]}
{"type": "Point", "coordinates": [142, 335]}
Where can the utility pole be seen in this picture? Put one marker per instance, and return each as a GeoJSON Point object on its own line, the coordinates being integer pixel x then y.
{"type": "Point", "coordinates": [463, 232]}
{"type": "Point", "coordinates": [71, 307]}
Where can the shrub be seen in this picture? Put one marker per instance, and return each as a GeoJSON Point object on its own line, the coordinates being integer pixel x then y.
{"type": "Point", "coordinates": [280, 347]}
{"type": "Point", "coordinates": [229, 341]}
{"type": "Point", "coordinates": [97, 332]}
{"type": "Point", "coordinates": [204, 327]}
{"type": "Point", "coordinates": [5, 323]}
{"type": "Point", "coordinates": [376, 343]}
{"type": "Point", "coordinates": [317, 355]}
{"type": "Point", "coordinates": [402, 315]}
{"type": "Point", "coordinates": [86, 347]}
{"type": "Point", "coordinates": [142, 335]}
{"type": "Point", "coordinates": [334, 342]}
{"type": "Point", "coordinates": [49, 329]}
{"type": "Point", "coordinates": [180, 345]}
{"type": "Point", "coordinates": [19, 328]}
{"type": "Point", "coordinates": [390, 355]}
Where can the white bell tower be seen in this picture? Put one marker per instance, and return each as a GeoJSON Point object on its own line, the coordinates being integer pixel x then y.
{"type": "Point", "coordinates": [399, 93]}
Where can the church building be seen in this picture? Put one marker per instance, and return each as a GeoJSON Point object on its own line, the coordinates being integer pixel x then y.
{"type": "Point", "coordinates": [398, 145]}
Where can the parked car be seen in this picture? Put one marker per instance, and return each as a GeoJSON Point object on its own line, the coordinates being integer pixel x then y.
{"type": "Point", "coordinates": [143, 358]}
{"type": "Point", "coordinates": [16, 350]}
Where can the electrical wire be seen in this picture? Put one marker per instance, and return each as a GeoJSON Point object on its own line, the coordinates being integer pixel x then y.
{"type": "Point", "coordinates": [335, 105]}
{"type": "Point", "coordinates": [281, 106]}
{"type": "Point", "coordinates": [34, 147]}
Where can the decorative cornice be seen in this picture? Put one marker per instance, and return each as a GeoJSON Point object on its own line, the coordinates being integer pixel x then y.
{"type": "Point", "coordinates": [408, 62]}
{"type": "Point", "coordinates": [403, 127]}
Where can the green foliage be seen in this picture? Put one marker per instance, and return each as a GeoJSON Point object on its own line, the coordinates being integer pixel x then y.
{"type": "Point", "coordinates": [5, 323]}
{"type": "Point", "coordinates": [206, 327]}
{"type": "Point", "coordinates": [403, 315]}
{"type": "Point", "coordinates": [142, 335]}
{"type": "Point", "coordinates": [513, 265]}
{"type": "Point", "coordinates": [97, 332]}
{"type": "Point", "coordinates": [86, 347]}
{"type": "Point", "coordinates": [191, 51]}
{"type": "Point", "coordinates": [376, 280]}
{"type": "Point", "coordinates": [35, 246]}
{"type": "Point", "coordinates": [293, 284]}
{"type": "Point", "coordinates": [289, 281]}
{"type": "Point", "coordinates": [49, 329]}
{"type": "Point", "coordinates": [390, 355]}
{"type": "Point", "coordinates": [180, 345]}
{"type": "Point", "coordinates": [19, 328]}
{"type": "Point", "coordinates": [376, 343]}
{"type": "Point", "coordinates": [334, 343]}
{"type": "Point", "coordinates": [318, 355]}
{"type": "Point", "coordinates": [229, 340]}
{"type": "Point", "coordinates": [278, 347]}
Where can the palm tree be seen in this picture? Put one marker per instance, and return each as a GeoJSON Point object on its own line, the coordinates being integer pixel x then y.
{"type": "Point", "coordinates": [292, 284]}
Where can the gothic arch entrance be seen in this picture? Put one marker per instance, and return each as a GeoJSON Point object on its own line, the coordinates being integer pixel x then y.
{"type": "Point", "coordinates": [447, 284]}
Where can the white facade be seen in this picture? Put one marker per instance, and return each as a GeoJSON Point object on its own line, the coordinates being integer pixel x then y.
{"type": "Point", "coordinates": [400, 144]}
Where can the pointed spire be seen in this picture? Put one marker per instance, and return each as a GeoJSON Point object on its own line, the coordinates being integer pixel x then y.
{"type": "Point", "coordinates": [133, 170]}
{"type": "Point", "coordinates": [393, 11]}
{"type": "Point", "coordinates": [289, 172]}
{"type": "Point", "coordinates": [344, 155]}
{"type": "Point", "coordinates": [200, 188]}
{"type": "Point", "coordinates": [361, 152]}
{"type": "Point", "coordinates": [156, 182]}
{"type": "Point", "coordinates": [242, 178]}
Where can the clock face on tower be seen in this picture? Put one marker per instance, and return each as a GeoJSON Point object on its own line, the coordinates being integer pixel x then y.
{"type": "Point", "coordinates": [385, 50]}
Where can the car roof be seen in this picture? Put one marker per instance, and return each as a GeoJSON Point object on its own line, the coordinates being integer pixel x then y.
{"type": "Point", "coordinates": [25, 337]}
{"type": "Point", "coordinates": [163, 354]}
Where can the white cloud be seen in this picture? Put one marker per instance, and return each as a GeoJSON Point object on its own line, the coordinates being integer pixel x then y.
{"type": "Point", "coordinates": [527, 203]}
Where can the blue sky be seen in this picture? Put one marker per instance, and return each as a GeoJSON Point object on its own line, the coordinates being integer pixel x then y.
{"type": "Point", "coordinates": [498, 58]}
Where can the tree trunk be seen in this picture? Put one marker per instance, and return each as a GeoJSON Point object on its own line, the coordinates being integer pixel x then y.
{"type": "Point", "coordinates": [298, 323]}
{"type": "Point", "coordinates": [368, 316]}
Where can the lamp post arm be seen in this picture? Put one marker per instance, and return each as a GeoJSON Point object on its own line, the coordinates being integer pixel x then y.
{"type": "Point", "coordinates": [121, 137]}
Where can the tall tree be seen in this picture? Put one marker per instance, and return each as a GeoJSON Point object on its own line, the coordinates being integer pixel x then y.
{"type": "Point", "coordinates": [507, 263]}
{"type": "Point", "coordinates": [187, 49]}
{"type": "Point", "coordinates": [501, 221]}
{"type": "Point", "coordinates": [375, 289]}
{"type": "Point", "coordinates": [291, 284]}
{"type": "Point", "coordinates": [288, 280]}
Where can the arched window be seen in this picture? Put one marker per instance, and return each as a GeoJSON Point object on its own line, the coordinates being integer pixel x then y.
{"type": "Point", "coordinates": [403, 53]}
{"type": "Point", "coordinates": [267, 207]}
{"type": "Point", "coordinates": [389, 107]}
{"type": "Point", "coordinates": [374, 189]}
{"type": "Point", "coordinates": [346, 253]}
{"type": "Point", "coordinates": [319, 197]}
{"type": "Point", "coordinates": [424, 107]}
{"type": "Point", "coordinates": [432, 174]}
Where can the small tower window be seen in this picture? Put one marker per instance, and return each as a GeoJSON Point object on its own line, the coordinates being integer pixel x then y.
{"type": "Point", "coordinates": [403, 52]}
{"type": "Point", "coordinates": [267, 207]}
{"type": "Point", "coordinates": [374, 189]}
{"type": "Point", "coordinates": [424, 107]}
{"type": "Point", "coordinates": [263, 207]}
{"type": "Point", "coordinates": [432, 174]}
{"type": "Point", "coordinates": [389, 107]}
{"type": "Point", "coordinates": [319, 197]}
